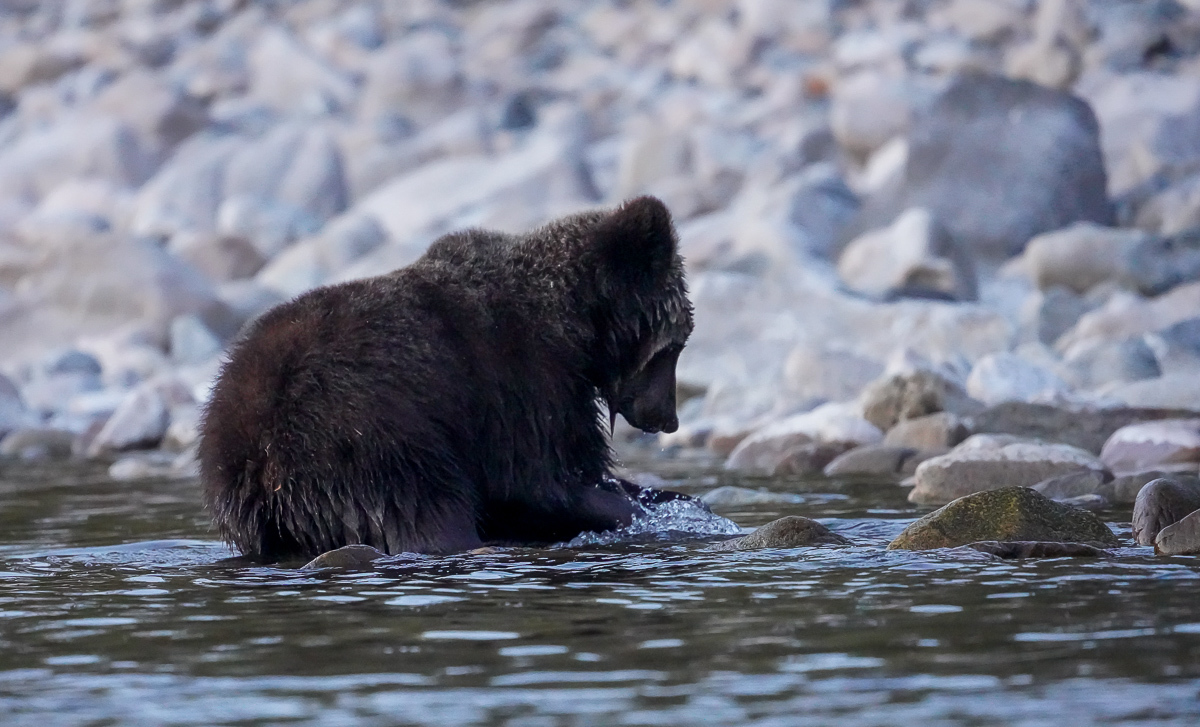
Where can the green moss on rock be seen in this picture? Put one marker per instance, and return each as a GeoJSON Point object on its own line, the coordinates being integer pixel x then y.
{"type": "Point", "coordinates": [1009, 513]}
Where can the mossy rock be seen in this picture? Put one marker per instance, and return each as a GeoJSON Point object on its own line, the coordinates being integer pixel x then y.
{"type": "Point", "coordinates": [792, 531]}
{"type": "Point", "coordinates": [1006, 514]}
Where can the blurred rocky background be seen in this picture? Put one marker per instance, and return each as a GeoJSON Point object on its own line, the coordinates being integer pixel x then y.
{"type": "Point", "coordinates": [905, 221]}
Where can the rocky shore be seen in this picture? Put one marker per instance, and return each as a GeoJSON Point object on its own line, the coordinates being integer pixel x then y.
{"type": "Point", "coordinates": [949, 243]}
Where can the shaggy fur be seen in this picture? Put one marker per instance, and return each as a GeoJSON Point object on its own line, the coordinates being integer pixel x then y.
{"type": "Point", "coordinates": [453, 402]}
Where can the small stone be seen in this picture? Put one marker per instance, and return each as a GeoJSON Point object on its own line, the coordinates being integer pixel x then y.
{"type": "Point", "coordinates": [1151, 445]}
{"type": "Point", "coordinates": [1005, 514]}
{"type": "Point", "coordinates": [931, 432]}
{"type": "Point", "coordinates": [733, 496]}
{"type": "Point", "coordinates": [347, 557]}
{"type": "Point", "coordinates": [1181, 538]}
{"type": "Point", "coordinates": [37, 443]}
{"type": "Point", "coordinates": [1161, 503]}
{"type": "Point", "coordinates": [1013, 549]}
{"type": "Point", "coordinates": [989, 462]}
{"type": "Point", "coordinates": [786, 532]}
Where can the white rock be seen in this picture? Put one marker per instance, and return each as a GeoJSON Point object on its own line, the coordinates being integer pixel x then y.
{"type": "Point", "coordinates": [288, 76]}
{"type": "Point", "coordinates": [139, 422]}
{"type": "Point", "coordinates": [914, 253]}
{"type": "Point", "coordinates": [1082, 256]}
{"type": "Point", "coordinates": [830, 423]}
{"type": "Point", "coordinates": [868, 110]}
{"type": "Point", "coordinates": [418, 76]}
{"type": "Point", "coordinates": [828, 374]}
{"type": "Point", "coordinates": [1001, 377]}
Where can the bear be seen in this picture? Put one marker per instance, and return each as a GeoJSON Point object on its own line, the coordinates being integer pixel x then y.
{"type": "Point", "coordinates": [455, 402]}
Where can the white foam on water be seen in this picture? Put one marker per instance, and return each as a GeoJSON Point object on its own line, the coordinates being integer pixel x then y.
{"type": "Point", "coordinates": [667, 519]}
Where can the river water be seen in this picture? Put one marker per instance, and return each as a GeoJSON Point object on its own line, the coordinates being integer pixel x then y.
{"type": "Point", "coordinates": [116, 609]}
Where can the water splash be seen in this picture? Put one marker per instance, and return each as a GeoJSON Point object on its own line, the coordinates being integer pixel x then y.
{"type": "Point", "coordinates": [669, 520]}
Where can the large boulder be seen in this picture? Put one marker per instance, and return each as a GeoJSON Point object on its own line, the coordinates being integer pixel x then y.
{"type": "Point", "coordinates": [998, 161]}
{"type": "Point", "coordinates": [1006, 514]}
{"type": "Point", "coordinates": [989, 462]}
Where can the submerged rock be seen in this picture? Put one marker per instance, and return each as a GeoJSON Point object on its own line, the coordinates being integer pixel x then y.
{"type": "Point", "coordinates": [989, 462]}
{"type": "Point", "coordinates": [1013, 549]}
{"type": "Point", "coordinates": [1006, 514]}
{"type": "Point", "coordinates": [348, 557]}
{"type": "Point", "coordinates": [786, 532]}
{"type": "Point", "coordinates": [1161, 503]}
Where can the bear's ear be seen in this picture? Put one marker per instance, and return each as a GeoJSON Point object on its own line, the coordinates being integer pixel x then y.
{"type": "Point", "coordinates": [637, 240]}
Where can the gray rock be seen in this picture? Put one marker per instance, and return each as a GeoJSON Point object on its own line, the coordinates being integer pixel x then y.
{"type": "Point", "coordinates": [1173, 210]}
{"type": "Point", "coordinates": [47, 392]}
{"type": "Point", "coordinates": [1124, 315]}
{"type": "Point", "coordinates": [1177, 348]}
{"type": "Point", "coordinates": [347, 557]}
{"type": "Point", "coordinates": [878, 460]}
{"type": "Point", "coordinates": [1014, 549]}
{"type": "Point", "coordinates": [822, 206]}
{"type": "Point", "coordinates": [1083, 427]}
{"type": "Point", "coordinates": [932, 432]}
{"type": "Point", "coordinates": [1153, 445]}
{"type": "Point", "coordinates": [37, 443]}
{"type": "Point", "coordinates": [1161, 503]}
{"type": "Point", "coordinates": [1048, 314]}
{"type": "Point", "coordinates": [989, 462]}
{"type": "Point", "coordinates": [1124, 489]}
{"type": "Point", "coordinates": [184, 429]}
{"type": "Point", "coordinates": [908, 396]}
{"type": "Point", "coordinates": [1171, 390]}
{"type": "Point", "coordinates": [914, 256]}
{"type": "Point", "coordinates": [809, 460]}
{"type": "Point", "coordinates": [185, 193]}
{"type": "Point", "coordinates": [138, 423]}
{"type": "Point", "coordinates": [418, 75]}
{"type": "Point", "coordinates": [999, 161]}
{"type": "Point", "coordinates": [1180, 538]}
{"type": "Point", "coordinates": [1074, 484]}
{"type": "Point", "coordinates": [1005, 514]}
{"type": "Point", "coordinates": [786, 532]}
{"type": "Point", "coordinates": [733, 496]}
{"type": "Point", "coordinates": [162, 113]}
{"type": "Point", "coordinates": [32, 62]}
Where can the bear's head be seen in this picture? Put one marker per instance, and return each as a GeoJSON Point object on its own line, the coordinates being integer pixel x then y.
{"type": "Point", "coordinates": [649, 316]}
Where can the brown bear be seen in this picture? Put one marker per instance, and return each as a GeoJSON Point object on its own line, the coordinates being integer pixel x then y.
{"type": "Point", "coordinates": [454, 402]}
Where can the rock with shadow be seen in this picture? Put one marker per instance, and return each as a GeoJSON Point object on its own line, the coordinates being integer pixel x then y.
{"type": "Point", "coordinates": [1006, 514]}
{"type": "Point", "coordinates": [1162, 503]}
{"type": "Point", "coordinates": [786, 532]}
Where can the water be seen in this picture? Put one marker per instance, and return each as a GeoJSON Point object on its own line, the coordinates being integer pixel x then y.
{"type": "Point", "coordinates": [115, 608]}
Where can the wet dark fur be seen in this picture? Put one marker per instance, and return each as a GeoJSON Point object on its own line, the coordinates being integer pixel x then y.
{"type": "Point", "coordinates": [453, 402]}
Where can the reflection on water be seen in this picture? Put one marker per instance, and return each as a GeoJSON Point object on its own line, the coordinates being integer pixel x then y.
{"type": "Point", "coordinates": [116, 608]}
